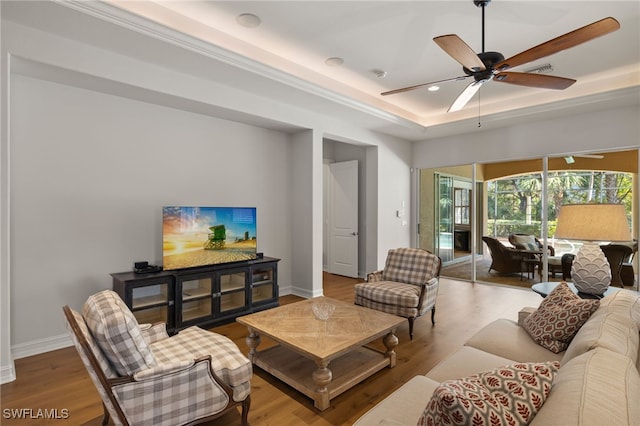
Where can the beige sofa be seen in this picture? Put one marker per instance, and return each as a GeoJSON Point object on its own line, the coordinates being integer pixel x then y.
{"type": "Point", "coordinates": [597, 384]}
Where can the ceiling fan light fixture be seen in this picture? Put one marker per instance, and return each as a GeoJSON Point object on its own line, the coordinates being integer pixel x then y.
{"type": "Point", "coordinates": [433, 88]}
{"type": "Point", "coordinates": [466, 96]}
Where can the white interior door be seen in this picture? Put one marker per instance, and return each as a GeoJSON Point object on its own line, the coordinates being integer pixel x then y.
{"type": "Point", "coordinates": [343, 219]}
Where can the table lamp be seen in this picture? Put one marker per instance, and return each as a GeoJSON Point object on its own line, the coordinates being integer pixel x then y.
{"type": "Point", "coordinates": [590, 270]}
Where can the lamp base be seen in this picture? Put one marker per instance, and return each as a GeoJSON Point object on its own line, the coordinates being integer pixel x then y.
{"type": "Point", "coordinates": [590, 270]}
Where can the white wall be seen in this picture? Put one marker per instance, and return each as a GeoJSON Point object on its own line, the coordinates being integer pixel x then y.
{"type": "Point", "coordinates": [91, 167]}
{"type": "Point", "coordinates": [394, 193]}
{"type": "Point", "coordinates": [90, 173]}
{"type": "Point", "coordinates": [609, 129]}
{"type": "Point", "coordinates": [7, 368]}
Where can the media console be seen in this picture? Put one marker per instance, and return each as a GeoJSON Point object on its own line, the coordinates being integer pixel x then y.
{"type": "Point", "coordinates": [204, 296]}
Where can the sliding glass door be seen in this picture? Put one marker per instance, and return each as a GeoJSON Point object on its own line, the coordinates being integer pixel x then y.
{"type": "Point", "coordinates": [444, 217]}
{"type": "Point", "coordinates": [498, 200]}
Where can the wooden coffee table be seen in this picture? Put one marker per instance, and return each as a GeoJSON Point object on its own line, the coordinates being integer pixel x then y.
{"type": "Point", "coordinates": [322, 358]}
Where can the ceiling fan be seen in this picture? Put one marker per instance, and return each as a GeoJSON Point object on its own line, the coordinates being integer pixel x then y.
{"type": "Point", "coordinates": [488, 66]}
{"type": "Point", "coordinates": [570, 159]}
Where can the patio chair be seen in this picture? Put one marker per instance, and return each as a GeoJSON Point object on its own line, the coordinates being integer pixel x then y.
{"type": "Point", "coordinates": [566, 262]}
{"type": "Point", "coordinates": [627, 273]}
{"type": "Point", "coordinates": [531, 243]}
{"type": "Point", "coordinates": [407, 286]}
{"type": "Point", "coordinates": [507, 259]}
{"type": "Point", "coordinates": [616, 254]}
{"type": "Point", "coordinates": [145, 377]}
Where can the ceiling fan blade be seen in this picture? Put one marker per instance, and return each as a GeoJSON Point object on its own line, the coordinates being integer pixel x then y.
{"type": "Point", "coordinates": [563, 42]}
{"type": "Point", "coordinates": [534, 80]}
{"type": "Point", "coordinates": [466, 95]}
{"type": "Point", "coordinates": [460, 51]}
{"type": "Point", "coordinates": [418, 86]}
{"type": "Point", "coordinates": [593, 156]}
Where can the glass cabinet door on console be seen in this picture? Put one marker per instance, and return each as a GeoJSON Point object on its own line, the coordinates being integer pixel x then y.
{"type": "Point", "coordinates": [204, 296]}
{"type": "Point", "coordinates": [150, 299]}
{"type": "Point", "coordinates": [196, 301]}
{"type": "Point", "coordinates": [233, 286]}
{"type": "Point", "coordinates": [263, 283]}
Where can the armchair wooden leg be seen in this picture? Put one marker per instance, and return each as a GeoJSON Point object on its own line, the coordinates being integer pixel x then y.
{"type": "Point", "coordinates": [433, 316]}
{"type": "Point", "coordinates": [246, 404]}
{"type": "Point", "coordinates": [410, 328]}
{"type": "Point", "coordinates": [105, 419]}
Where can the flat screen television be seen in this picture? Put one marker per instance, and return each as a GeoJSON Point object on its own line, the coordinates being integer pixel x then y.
{"type": "Point", "coordinates": [200, 236]}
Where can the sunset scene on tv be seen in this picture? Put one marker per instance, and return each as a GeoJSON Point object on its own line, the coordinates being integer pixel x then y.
{"type": "Point", "coordinates": [199, 236]}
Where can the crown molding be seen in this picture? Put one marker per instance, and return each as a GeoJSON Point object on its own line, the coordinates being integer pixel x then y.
{"type": "Point", "coordinates": [110, 13]}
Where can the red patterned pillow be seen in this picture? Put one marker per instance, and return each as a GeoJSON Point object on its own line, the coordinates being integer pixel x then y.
{"type": "Point", "coordinates": [559, 317]}
{"type": "Point", "coordinates": [510, 395]}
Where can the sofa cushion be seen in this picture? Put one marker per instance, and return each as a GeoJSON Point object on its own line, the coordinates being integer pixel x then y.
{"type": "Point", "coordinates": [389, 293]}
{"type": "Point", "coordinates": [505, 338]}
{"type": "Point", "coordinates": [606, 329]}
{"type": "Point", "coordinates": [227, 362]}
{"type": "Point", "coordinates": [559, 317]}
{"type": "Point", "coordinates": [117, 333]}
{"type": "Point", "coordinates": [464, 362]}
{"type": "Point", "coordinates": [526, 242]}
{"type": "Point", "coordinates": [625, 303]}
{"type": "Point", "coordinates": [403, 406]}
{"type": "Point", "coordinates": [599, 387]}
{"type": "Point", "coordinates": [509, 395]}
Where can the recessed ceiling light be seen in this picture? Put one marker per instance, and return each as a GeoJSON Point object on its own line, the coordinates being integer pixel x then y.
{"type": "Point", "coordinates": [380, 73]}
{"type": "Point", "coordinates": [248, 20]}
{"type": "Point", "coordinates": [433, 88]}
{"type": "Point", "coordinates": [334, 62]}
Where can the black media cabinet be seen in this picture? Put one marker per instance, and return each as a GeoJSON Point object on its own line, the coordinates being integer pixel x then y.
{"type": "Point", "coordinates": [204, 296]}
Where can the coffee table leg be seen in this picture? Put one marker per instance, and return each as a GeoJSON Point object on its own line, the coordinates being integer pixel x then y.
{"type": "Point", "coordinates": [321, 378]}
{"type": "Point", "coordinates": [390, 342]}
{"type": "Point", "coordinates": [253, 340]}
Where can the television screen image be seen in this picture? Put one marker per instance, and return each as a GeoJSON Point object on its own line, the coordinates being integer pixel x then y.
{"type": "Point", "coordinates": [199, 236]}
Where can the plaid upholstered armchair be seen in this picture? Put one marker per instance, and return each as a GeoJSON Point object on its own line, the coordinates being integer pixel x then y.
{"type": "Point", "coordinates": [407, 286]}
{"type": "Point", "coordinates": [146, 377]}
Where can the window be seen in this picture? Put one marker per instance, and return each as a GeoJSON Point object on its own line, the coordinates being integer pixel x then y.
{"type": "Point", "coordinates": [462, 206]}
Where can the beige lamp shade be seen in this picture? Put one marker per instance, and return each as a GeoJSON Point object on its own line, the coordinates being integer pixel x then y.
{"type": "Point", "coordinates": [590, 270]}
{"type": "Point", "coordinates": [593, 222]}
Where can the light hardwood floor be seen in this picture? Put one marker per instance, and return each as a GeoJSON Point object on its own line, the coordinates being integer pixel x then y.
{"type": "Point", "coordinates": [58, 380]}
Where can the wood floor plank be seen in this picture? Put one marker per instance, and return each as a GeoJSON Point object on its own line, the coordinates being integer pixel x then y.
{"type": "Point", "coordinates": [58, 380]}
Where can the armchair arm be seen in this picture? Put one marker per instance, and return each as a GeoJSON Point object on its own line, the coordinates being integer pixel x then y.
{"type": "Point", "coordinates": [374, 276]}
{"type": "Point", "coordinates": [428, 293]}
{"type": "Point", "coordinates": [162, 369]}
{"type": "Point", "coordinates": [154, 332]}
{"type": "Point", "coordinates": [163, 399]}
{"type": "Point", "coordinates": [524, 313]}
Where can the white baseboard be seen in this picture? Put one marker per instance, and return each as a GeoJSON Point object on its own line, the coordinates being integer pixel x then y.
{"type": "Point", "coordinates": [36, 347]}
{"type": "Point", "coordinates": [305, 293]}
{"type": "Point", "coordinates": [7, 373]}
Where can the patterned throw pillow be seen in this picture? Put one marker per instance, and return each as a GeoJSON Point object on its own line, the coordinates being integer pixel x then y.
{"type": "Point", "coordinates": [559, 317]}
{"type": "Point", "coordinates": [510, 395]}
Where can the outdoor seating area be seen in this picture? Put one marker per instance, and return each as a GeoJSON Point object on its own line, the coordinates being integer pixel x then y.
{"type": "Point", "coordinates": [517, 261]}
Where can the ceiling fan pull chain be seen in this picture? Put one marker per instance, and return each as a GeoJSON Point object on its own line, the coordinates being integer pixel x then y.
{"type": "Point", "coordinates": [479, 93]}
